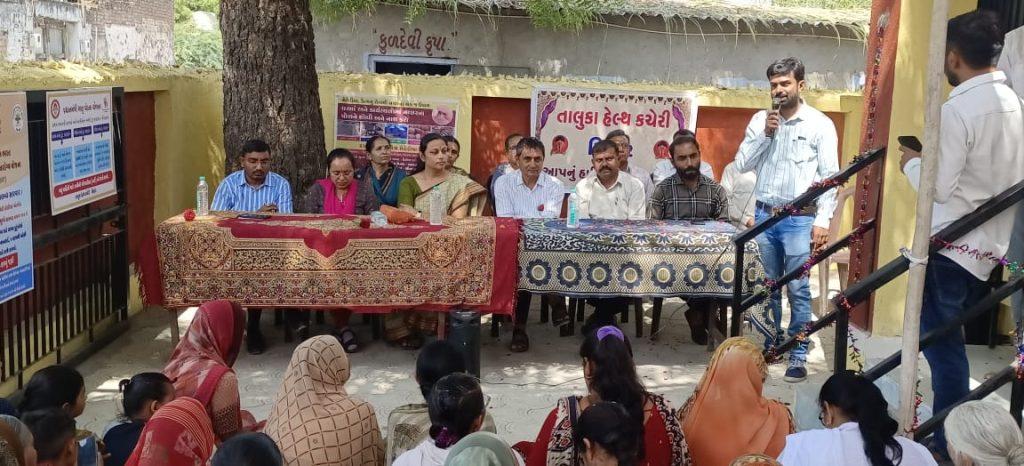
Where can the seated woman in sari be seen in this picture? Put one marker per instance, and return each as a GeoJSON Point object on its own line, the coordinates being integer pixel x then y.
{"type": "Point", "coordinates": [611, 377]}
{"type": "Point", "coordinates": [200, 367]}
{"type": "Point", "coordinates": [341, 194]}
{"type": "Point", "coordinates": [463, 197]}
{"type": "Point", "coordinates": [454, 149]}
{"type": "Point", "coordinates": [380, 174]}
{"type": "Point", "coordinates": [178, 434]}
{"type": "Point", "coordinates": [314, 421]}
{"type": "Point", "coordinates": [727, 416]}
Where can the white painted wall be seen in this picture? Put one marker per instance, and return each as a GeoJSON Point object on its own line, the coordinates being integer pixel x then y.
{"type": "Point", "coordinates": [702, 52]}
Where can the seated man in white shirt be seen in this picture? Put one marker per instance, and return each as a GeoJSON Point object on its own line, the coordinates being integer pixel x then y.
{"type": "Point", "coordinates": [625, 150]}
{"type": "Point", "coordinates": [740, 188]}
{"type": "Point", "coordinates": [530, 193]}
{"type": "Point", "coordinates": [607, 193]}
{"type": "Point", "coordinates": [980, 155]}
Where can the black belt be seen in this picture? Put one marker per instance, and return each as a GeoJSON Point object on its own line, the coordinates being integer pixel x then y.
{"type": "Point", "coordinates": [808, 211]}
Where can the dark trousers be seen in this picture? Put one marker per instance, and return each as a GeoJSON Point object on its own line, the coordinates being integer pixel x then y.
{"type": "Point", "coordinates": [522, 308]}
{"type": "Point", "coordinates": [949, 290]}
{"type": "Point", "coordinates": [605, 310]}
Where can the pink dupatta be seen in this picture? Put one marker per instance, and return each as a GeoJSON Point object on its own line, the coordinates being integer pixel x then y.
{"type": "Point", "coordinates": [332, 205]}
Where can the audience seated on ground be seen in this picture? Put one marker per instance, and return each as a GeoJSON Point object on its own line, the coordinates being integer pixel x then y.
{"type": "Point", "coordinates": [314, 421]}
{"type": "Point", "coordinates": [457, 409]}
{"type": "Point", "coordinates": [22, 439]}
{"type": "Point", "coordinates": [252, 449]}
{"type": "Point", "coordinates": [859, 430]}
{"type": "Point", "coordinates": [7, 408]}
{"type": "Point", "coordinates": [200, 366]}
{"type": "Point", "coordinates": [141, 396]}
{"type": "Point", "coordinates": [727, 416]}
{"type": "Point", "coordinates": [53, 431]}
{"type": "Point", "coordinates": [63, 388]}
{"type": "Point", "coordinates": [409, 425]}
{"type": "Point", "coordinates": [611, 376]}
{"type": "Point", "coordinates": [482, 449]}
{"type": "Point", "coordinates": [12, 450]}
{"type": "Point", "coordinates": [980, 433]}
{"type": "Point", "coordinates": [604, 435]}
{"type": "Point", "coordinates": [179, 434]}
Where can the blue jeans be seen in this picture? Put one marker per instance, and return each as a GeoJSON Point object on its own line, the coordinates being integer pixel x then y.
{"type": "Point", "coordinates": [784, 247]}
{"type": "Point", "coordinates": [949, 290]}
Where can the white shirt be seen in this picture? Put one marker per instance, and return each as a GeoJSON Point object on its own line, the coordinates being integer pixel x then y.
{"type": "Point", "coordinates": [664, 170]}
{"type": "Point", "coordinates": [624, 201]}
{"type": "Point", "coordinates": [805, 149]}
{"type": "Point", "coordinates": [843, 446]}
{"type": "Point", "coordinates": [512, 198]}
{"type": "Point", "coordinates": [981, 154]}
{"type": "Point", "coordinates": [427, 454]}
{"type": "Point", "coordinates": [741, 194]}
{"type": "Point", "coordinates": [644, 176]}
{"type": "Point", "coordinates": [1011, 61]}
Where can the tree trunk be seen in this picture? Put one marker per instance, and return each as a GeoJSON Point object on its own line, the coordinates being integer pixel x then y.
{"type": "Point", "coordinates": [271, 90]}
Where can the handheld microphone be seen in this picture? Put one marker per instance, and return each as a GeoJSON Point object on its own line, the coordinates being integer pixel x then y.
{"type": "Point", "coordinates": [777, 101]}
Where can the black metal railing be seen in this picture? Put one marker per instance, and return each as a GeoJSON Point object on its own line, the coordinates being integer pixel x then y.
{"type": "Point", "coordinates": [81, 268]}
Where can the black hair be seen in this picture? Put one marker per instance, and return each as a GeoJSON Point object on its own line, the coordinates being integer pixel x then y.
{"type": "Point", "coordinates": [250, 449]}
{"type": "Point", "coordinates": [450, 139]}
{"type": "Point", "coordinates": [785, 66]}
{"type": "Point", "coordinates": [608, 425]}
{"type": "Point", "coordinates": [684, 132]}
{"type": "Point", "coordinates": [977, 37]}
{"type": "Point", "coordinates": [370, 142]}
{"type": "Point", "coordinates": [863, 403]}
{"type": "Point", "coordinates": [678, 141]}
{"type": "Point", "coordinates": [340, 153]}
{"type": "Point", "coordinates": [51, 428]}
{"type": "Point", "coordinates": [509, 139]}
{"type": "Point", "coordinates": [455, 404]}
{"type": "Point", "coordinates": [616, 133]}
{"type": "Point", "coordinates": [602, 147]}
{"type": "Point", "coordinates": [436, 360]}
{"type": "Point", "coordinates": [530, 143]}
{"type": "Point", "coordinates": [254, 145]}
{"type": "Point", "coordinates": [424, 141]}
{"type": "Point", "coordinates": [144, 387]}
{"type": "Point", "coordinates": [614, 376]}
{"type": "Point", "coordinates": [52, 387]}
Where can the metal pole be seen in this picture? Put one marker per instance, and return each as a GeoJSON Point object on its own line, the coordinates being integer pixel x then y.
{"type": "Point", "coordinates": [465, 335]}
{"type": "Point", "coordinates": [737, 289]}
{"type": "Point", "coordinates": [925, 201]}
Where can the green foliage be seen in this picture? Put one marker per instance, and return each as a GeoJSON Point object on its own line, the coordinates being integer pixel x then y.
{"type": "Point", "coordinates": [333, 10]}
{"type": "Point", "coordinates": [194, 48]}
{"type": "Point", "coordinates": [562, 15]}
{"type": "Point", "coordinates": [828, 4]}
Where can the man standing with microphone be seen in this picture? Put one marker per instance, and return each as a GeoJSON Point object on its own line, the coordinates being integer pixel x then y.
{"type": "Point", "coordinates": [790, 147]}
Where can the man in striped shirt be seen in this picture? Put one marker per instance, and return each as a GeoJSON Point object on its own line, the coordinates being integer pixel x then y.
{"type": "Point", "coordinates": [254, 188]}
{"type": "Point", "coordinates": [790, 147]}
{"type": "Point", "coordinates": [530, 193]}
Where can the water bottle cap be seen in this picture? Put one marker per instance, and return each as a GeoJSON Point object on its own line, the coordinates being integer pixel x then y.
{"type": "Point", "coordinates": [202, 178]}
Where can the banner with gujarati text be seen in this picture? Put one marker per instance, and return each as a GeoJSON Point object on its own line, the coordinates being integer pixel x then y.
{"type": "Point", "coordinates": [78, 130]}
{"type": "Point", "coordinates": [571, 121]}
{"type": "Point", "coordinates": [402, 120]}
{"type": "Point", "coordinates": [16, 259]}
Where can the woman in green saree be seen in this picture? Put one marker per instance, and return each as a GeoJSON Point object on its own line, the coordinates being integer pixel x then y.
{"type": "Point", "coordinates": [463, 198]}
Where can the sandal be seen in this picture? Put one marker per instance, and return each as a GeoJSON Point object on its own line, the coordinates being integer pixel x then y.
{"type": "Point", "coordinates": [348, 340]}
{"type": "Point", "coordinates": [520, 341]}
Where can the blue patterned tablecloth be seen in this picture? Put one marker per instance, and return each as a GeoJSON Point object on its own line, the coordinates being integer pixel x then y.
{"type": "Point", "coordinates": [642, 258]}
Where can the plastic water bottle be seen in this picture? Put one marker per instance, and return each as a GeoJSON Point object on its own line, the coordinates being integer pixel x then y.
{"type": "Point", "coordinates": [378, 219]}
{"type": "Point", "coordinates": [202, 197]}
{"type": "Point", "coordinates": [572, 216]}
{"type": "Point", "coordinates": [436, 206]}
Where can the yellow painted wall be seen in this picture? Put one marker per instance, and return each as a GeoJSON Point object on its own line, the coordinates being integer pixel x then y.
{"type": "Point", "coordinates": [899, 198]}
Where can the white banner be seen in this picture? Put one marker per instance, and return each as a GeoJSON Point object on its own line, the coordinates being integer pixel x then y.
{"type": "Point", "coordinates": [79, 136]}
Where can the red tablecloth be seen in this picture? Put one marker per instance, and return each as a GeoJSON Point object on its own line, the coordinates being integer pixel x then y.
{"type": "Point", "coordinates": [334, 261]}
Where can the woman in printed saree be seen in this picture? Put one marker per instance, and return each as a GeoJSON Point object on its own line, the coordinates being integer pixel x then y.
{"type": "Point", "coordinates": [200, 366]}
{"type": "Point", "coordinates": [341, 194]}
{"type": "Point", "coordinates": [611, 377]}
{"type": "Point", "coordinates": [463, 198]}
{"type": "Point", "coordinates": [380, 174]}
{"type": "Point", "coordinates": [179, 434]}
{"type": "Point", "coordinates": [314, 421]}
{"type": "Point", "coordinates": [727, 416]}
{"type": "Point", "coordinates": [454, 149]}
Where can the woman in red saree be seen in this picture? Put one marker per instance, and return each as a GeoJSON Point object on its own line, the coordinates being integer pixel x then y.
{"type": "Point", "coordinates": [178, 434]}
{"type": "Point", "coordinates": [611, 376]}
{"type": "Point", "coordinates": [200, 366]}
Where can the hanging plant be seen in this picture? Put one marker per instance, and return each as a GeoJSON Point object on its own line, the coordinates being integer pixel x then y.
{"type": "Point", "coordinates": [562, 15]}
{"type": "Point", "coordinates": [333, 10]}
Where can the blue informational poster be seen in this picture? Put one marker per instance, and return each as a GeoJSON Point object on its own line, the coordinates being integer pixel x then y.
{"type": "Point", "coordinates": [16, 271]}
{"type": "Point", "coordinates": [78, 128]}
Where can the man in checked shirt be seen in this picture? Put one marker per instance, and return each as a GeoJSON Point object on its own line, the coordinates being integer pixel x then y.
{"type": "Point", "coordinates": [688, 195]}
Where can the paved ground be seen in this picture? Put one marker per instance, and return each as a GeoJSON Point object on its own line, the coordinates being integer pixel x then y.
{"type": "Point", "coordinates": [523, 387]}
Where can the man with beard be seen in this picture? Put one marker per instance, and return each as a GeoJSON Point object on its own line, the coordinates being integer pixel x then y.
{"type": "Point", "coordinates": [790, 147]}
{"type": "Point", "coordinates": [254, 188]}
{"type": "Point", "coordinates": [689, 195]}
{"type": "Point", "coordinates": [980, 155]}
